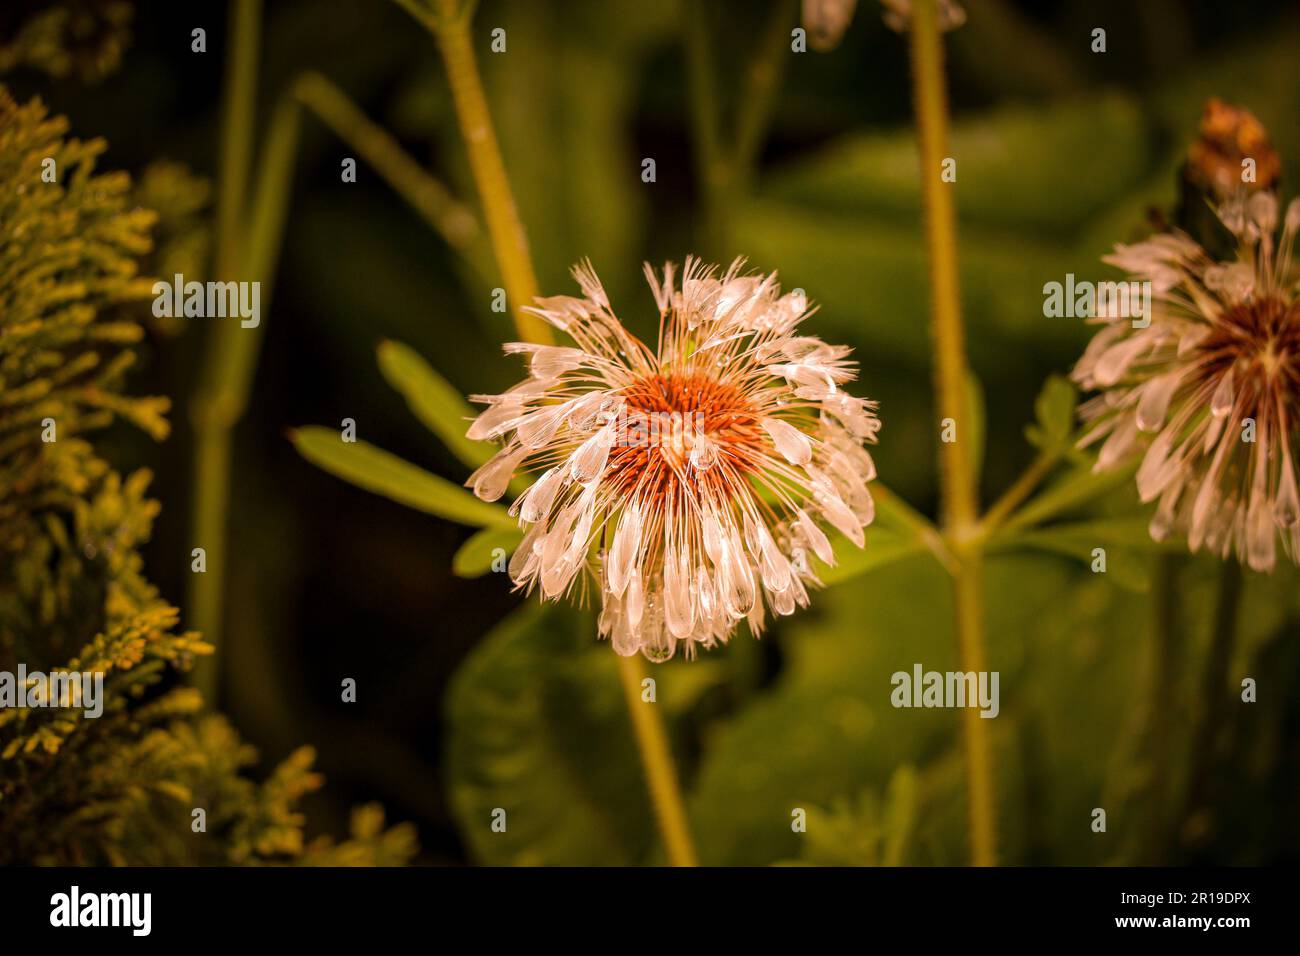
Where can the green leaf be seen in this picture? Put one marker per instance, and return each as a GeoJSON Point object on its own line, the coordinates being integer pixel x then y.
{"type": "Point", "coordinates": [537, 727]}
{"type": "Point", "coordinates": [827, 730]}
{"type": "Point", "coordinates": [866, 831]}
{"type": "Point", "coordinates": [1054, 413]}
{"type": "Point", "coordinates": [435, 402]}
{"type": "Point", "coordinates": [474, 559]}
{"type": "Point", "coordinates": [884, 546]}
{"type": "Point", "coordinates": [1009, 170]}
{"type": "Point", "coordinates": [385, 474]}
{"type": "Point", "coordinates": [1127, 542]}
{"type": "Point", "coordinates": [1067, 645]}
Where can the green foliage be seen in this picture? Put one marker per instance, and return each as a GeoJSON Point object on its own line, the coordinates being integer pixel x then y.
{"type": "Point", "coordinates": [385, 474]}
{"type": "Point", "coordinates": [537, 727]}
{"type": "Point", "coordinates": [867, 831]}
{"type": "Point", "coordinates": [85, 38]}
{"type": "Point", "coordinates": [476, 555]}
{"type": "Point", "coordinates": [436, 403]}
{"type": "Point", "coordinates": [1054, 416]}
{"type": "Point", "coordinates": [534, 724]}
{"type": "Point", "coordinates": [182, 237]}
{"type": "Point", "coordinates": [119, 788]}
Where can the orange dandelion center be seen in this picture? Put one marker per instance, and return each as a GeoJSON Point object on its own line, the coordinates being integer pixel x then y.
{"type": "Point", "coordinates": [668, 415]}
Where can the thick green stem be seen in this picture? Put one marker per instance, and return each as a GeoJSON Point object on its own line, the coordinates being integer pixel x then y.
{"type": "Point", "coordinates": [958, 480]}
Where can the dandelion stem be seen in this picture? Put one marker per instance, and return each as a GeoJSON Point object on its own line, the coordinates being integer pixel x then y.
{"type": "Point", "coordinates": [509, 241]}
{"type": "Point", "coordinates": [657, 759]}
{"type": "Point", "coordinates": [509, 244]}
{"type": "Point", "coordinates": [958, 480]}
{"type": "Point", "coordinates": [212, 412]}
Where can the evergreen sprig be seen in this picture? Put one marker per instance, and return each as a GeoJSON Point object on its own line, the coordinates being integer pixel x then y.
{"type": "Point", "coordinates": [121, 788]}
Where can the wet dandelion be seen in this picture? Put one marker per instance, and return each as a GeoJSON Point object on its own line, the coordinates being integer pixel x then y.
{"type": "Point", "coordinates": [1214, 379]}
{"type": "Point", "coordinates": [693, 480]}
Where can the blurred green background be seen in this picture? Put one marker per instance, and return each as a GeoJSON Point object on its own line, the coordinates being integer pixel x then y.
{"type": "Point", "coordinates": [467, 699]}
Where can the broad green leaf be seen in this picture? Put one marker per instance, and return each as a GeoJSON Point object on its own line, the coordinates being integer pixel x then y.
{"type": "Point", "coordinates": [827, 729]}
{"type": "Point", "coordinates": [385, 474]}
{"type": "Point", "coordinates": [1127, 544]}
{"type": "Point", "coordinates": [1012, 165]}
{"type": "Point", "coordinates": [537, 726]}
{"type": "Point", "coordinates": [436, 403]}
{"type": "Point", "coordinates": [1066, 644]}
{"type": "Point", "coordinates": [475, 557]}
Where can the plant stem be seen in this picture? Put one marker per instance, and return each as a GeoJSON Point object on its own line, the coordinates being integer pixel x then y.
{"type": "Point", "coordinates": [450, 218]}
{"type": "Point", "coordinates": [212, 415]}
{"type": "Point", "coordinates": [1024, 486]}
{"type": "Point", "coordinates": [657, 759]}
{"type": "Point", "coordinates": [509, 241]}
{"type": "Point", "coordinates": [710, 162]}
{"type": "Point", "coordinates": [510, 246]}
{"type": "Point", "coordinates": [957, 476]}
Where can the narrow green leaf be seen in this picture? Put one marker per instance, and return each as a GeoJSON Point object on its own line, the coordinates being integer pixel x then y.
{"type": "Point", "coordinates": [436, 403]}
{"type": "Point", "coordinates": [474, 559]}
{"type": "Point", "coordinates": [385, 474]}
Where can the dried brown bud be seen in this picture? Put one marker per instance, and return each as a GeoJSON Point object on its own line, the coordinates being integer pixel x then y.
{"type": "Point", "coordinates": [1233, 152]}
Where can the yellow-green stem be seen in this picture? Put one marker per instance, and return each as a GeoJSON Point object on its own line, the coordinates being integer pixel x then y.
{"type": "Point", "coordinates": [510, 246]}
{"type": "Point", "coordinates": [509, 241]}
{"type": "Point", "coordinates": [657, 759]}
{"type": "Point", "coordinates": [958, 480]}
{"type": "Point", "coordinates": [430, 198]}
{"type": "Point", "coordinates": [1014, 496]}
{"type": "Point", "coordinates": [211, 419]}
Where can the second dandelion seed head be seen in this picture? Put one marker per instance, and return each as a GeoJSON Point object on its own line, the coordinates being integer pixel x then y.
{"type": "Point", "coordinates": [1210, 389]}
{"type": "Point", "coordinates": [695, 480]}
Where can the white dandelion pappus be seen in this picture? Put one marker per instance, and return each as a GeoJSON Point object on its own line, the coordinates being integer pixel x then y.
{"type": "Point", "coordinates": [688, 482]}
{"type": "Point", "coordinates": [1222, 351]}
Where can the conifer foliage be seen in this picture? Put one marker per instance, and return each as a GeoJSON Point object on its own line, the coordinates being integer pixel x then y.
{"type": "Point", "coordinates": [122, 787]}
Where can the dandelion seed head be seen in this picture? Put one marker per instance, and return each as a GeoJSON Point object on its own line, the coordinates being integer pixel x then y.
{"type": "Point", "coordinates": [1208, 394]}
{"type": "Point", "coordinates": [691, 483]}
